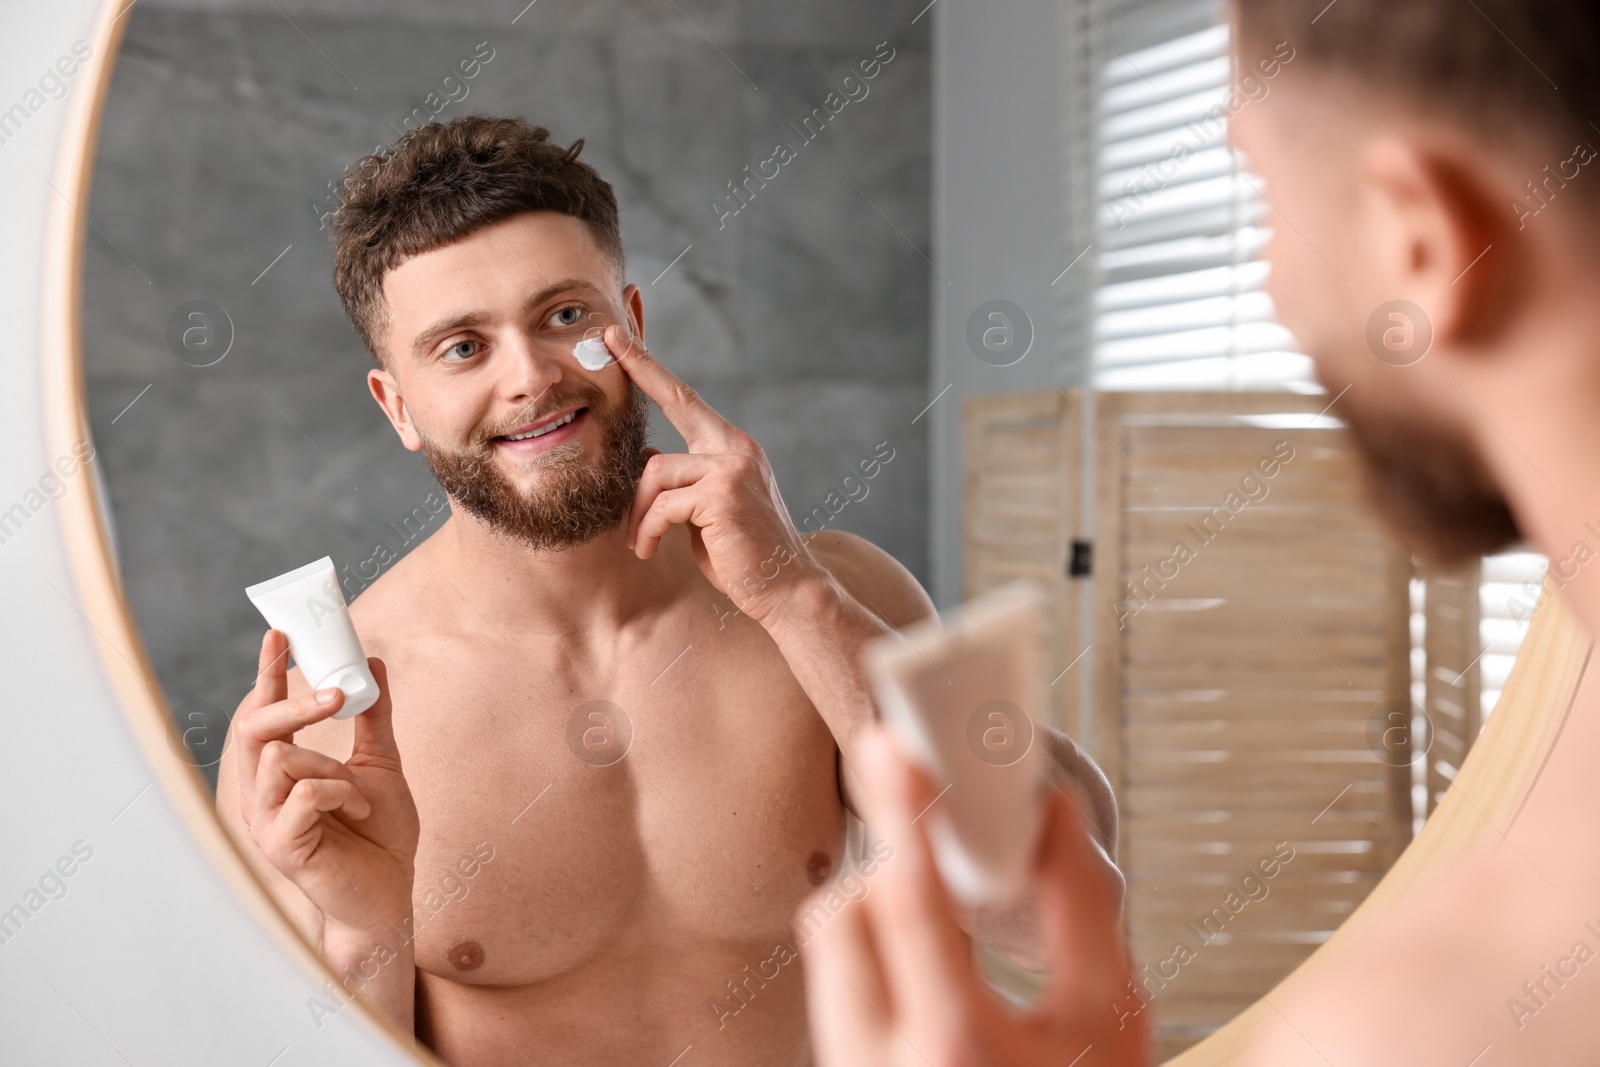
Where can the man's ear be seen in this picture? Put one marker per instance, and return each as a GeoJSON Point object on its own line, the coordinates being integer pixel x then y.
{"type": "Point", "coordinates": [1440, 235]}
{"type": "Point", "coordinates": [633, 301]}
{"type": "Point", "coordinates": [387, 393]}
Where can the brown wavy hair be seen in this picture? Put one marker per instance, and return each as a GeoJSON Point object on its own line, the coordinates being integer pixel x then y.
{"type": "Point", "coordinates": [441, 182]}
{"type": "Point", "coordinates": [1491, 65]}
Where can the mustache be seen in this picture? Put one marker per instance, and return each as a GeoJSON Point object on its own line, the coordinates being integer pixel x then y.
{"type": "Point", "coordinates": [588, 396]}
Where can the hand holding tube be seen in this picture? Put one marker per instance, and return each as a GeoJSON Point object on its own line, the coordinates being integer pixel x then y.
{"type": "Point", "coordinates": [890, 980]}
{"type": "Point", "coordinates": [344, 833]}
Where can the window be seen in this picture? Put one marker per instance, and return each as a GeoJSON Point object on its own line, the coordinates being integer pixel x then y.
{"type": "Point", "coordinates": [1509, 593]}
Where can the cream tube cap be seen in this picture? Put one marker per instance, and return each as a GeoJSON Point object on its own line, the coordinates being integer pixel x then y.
{"type": "Point", "coordinates": [360, 690]}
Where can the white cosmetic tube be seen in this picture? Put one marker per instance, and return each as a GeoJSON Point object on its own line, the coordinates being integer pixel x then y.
{"type": "Point", "coordinates": [308, 606]}
{"type": "Point", "coordinates": [961, 699]}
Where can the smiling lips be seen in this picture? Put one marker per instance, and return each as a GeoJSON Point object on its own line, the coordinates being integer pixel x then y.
{"type": "Point", "coordinates": [543, 434]}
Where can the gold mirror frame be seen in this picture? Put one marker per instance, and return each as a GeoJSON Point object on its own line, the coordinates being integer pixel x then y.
{"type": "Point", "coordinates": [1498, 774]}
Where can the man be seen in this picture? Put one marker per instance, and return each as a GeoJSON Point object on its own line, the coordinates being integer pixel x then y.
{"type": "Point", "coordinates": [620, 680]}
{"type": "Point", "coordinates": [1435, 214]}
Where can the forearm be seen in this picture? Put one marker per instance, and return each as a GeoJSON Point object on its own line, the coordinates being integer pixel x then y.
{"type": "Point", "coordinates": [821, 631]}
{"type": "Point", "coordinates": [378, 966]}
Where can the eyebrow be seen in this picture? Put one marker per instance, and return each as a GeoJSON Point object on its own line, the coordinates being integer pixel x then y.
{"type": "Point", "coordinates": [428, 336]}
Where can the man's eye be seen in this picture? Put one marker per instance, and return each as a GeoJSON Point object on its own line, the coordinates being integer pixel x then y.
{"type": "Point", "coordinates": [455, 353]}
{"type": "Point", "coordinates": [570, 315]}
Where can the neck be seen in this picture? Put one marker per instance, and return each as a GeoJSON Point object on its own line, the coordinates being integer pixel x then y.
{"type": "Point", "coordinates": [591, 588]}
{"type": "Point", "coordinates": [1541, 436]}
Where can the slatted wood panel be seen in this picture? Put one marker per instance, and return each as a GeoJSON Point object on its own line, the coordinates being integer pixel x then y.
{"type": "Point", "coordinates": [1233, 690]}
{"type": "Point", "coordinates": [1452, 681]}
{"type": "Point", "coordinates": [1022, 473]}
{"type": "Point", "coordinates": [1501, 771]}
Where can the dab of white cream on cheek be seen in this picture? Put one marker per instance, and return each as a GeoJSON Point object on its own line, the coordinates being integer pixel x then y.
{"type": "Point", "coordinates": [592, 353]}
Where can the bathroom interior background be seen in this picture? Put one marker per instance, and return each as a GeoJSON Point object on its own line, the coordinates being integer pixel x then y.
{"type": "Point", "coordinates": [804, 318]}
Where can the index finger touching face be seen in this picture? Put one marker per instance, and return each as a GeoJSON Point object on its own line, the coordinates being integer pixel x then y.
{"type": "Point", "coordinates": [702, 428]}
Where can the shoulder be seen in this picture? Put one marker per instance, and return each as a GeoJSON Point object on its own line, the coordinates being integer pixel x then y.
{"type": "Point", "coordinates": [876, 579]}
{"type": "Point", "coordinates": [386, 606]}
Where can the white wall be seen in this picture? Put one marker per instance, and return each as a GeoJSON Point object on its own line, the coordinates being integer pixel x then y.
{"type": "Point", "coordinates": [1008, 218]}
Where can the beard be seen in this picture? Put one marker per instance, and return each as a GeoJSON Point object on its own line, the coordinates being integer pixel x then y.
{"type": "Point", "coordinates": [574, 500]}
{"type": "Point", "coordinates": [1430, 485]}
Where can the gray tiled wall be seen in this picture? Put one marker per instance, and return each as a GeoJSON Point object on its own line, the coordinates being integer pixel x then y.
{"type": "Point", "coordinates": [804, 318]}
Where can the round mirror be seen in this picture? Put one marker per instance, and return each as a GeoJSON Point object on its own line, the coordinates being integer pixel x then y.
{"type": "Point", "coordinates": [197, 422]}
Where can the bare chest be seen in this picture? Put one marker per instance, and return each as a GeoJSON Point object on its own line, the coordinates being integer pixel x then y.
{"type": "Point", "coordinates": [681, 798]}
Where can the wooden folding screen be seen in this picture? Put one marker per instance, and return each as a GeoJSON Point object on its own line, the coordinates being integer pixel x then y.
{"type": "Point", "coordinates": [1251, 677]}
{"type": "Point", "coordinates": [1022, 485]}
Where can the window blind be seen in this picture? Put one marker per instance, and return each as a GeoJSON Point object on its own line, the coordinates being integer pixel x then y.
{"type": "Point", "coordinates": [1507, 598]}
{"type": "Point", "coordinates": [1179, 299]}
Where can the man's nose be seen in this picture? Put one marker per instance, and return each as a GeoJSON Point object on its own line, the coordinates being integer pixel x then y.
{"type": "Point", "coordinates": [529, 370]}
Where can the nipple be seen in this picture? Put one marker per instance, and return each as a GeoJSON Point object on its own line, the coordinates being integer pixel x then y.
{"type": "Point", "coordinates": [465, 956]}
{"type": "Point", "coordinates": [592, 352]}
{"type": "Point", "coordinates": [817, 868]}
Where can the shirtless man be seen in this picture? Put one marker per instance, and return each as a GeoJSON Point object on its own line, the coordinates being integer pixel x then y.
{"type": "Point", "coordinates": [620, 680]}
{"type": "Point", "coordinates": [1435, 215]}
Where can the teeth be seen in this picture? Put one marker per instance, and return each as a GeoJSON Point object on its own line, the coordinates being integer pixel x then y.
{"type": "Point", "coordinates": [541, 431]}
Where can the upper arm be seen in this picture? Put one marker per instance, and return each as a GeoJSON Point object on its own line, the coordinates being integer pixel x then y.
{"type": "Point", "coordinates": [876, 580]}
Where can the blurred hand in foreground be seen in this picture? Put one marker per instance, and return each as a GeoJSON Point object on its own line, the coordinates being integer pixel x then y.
{"type": "Point", "coordinates": [891, 979]}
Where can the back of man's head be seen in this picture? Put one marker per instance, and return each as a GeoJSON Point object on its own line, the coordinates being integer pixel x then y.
{"type": "Point", "coordinates": [1506, 69]}
{"type": "Point", "coordinates": [1410, 154]}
